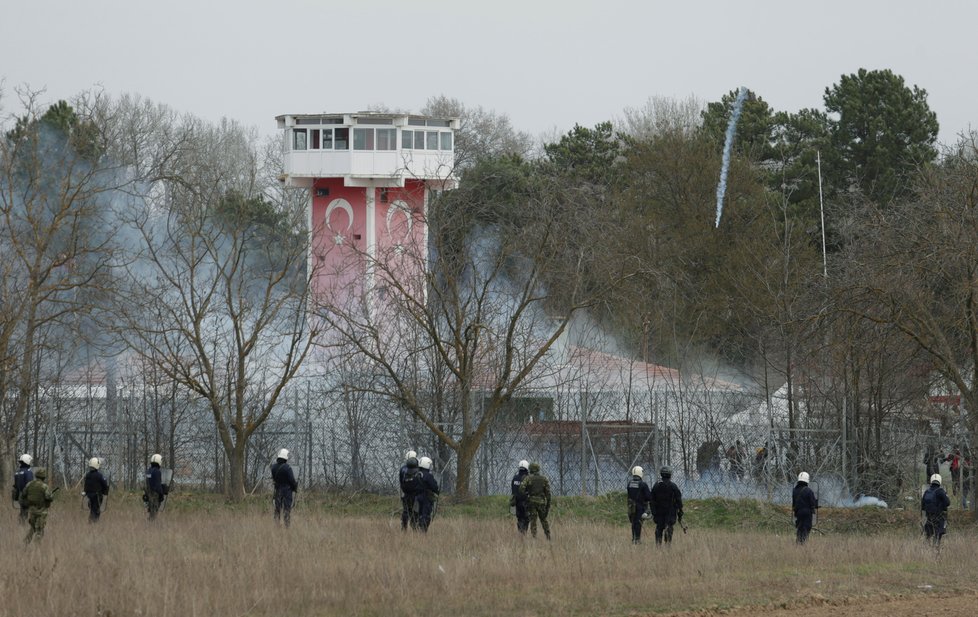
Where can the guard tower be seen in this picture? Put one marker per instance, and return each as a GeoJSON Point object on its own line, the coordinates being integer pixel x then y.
{"type": "Point", "coordinates": [370, 176]}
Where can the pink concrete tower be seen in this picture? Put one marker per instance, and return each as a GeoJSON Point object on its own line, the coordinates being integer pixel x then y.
{"type": "Point", "coordinates": [370, 176]}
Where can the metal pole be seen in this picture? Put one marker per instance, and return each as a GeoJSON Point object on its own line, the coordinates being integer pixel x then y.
{"type": "Point", "coordinates": [845, 475]}
{"type": "Point", "coordinates": [583, 454]}
{"type": "Point", "coordinates": [583, 412]}
{"type": "Point", "coordinates": [821, 208]}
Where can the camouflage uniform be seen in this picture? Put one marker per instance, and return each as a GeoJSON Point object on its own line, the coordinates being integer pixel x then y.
{"type": "Point", "coordinates": [537, 490]}
{"type": "Point", "coordinates": [37, 498]}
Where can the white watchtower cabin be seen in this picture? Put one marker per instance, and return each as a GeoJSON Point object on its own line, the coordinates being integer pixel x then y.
{"type": "Point", "coordinates": [370, 176]}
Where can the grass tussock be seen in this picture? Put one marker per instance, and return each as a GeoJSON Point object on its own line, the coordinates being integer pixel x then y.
{"type": "Point", "coordinates": [234, 561]}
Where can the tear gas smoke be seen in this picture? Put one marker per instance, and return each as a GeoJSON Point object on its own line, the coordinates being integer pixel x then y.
{"type": "Point", "coordinates": [727, 147]}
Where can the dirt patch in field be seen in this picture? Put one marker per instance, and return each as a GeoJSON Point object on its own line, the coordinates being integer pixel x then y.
{"type": "Point", "coordinates": [923, 605]}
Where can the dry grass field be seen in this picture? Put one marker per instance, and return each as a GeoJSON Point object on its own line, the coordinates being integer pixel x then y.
{"type": "Point", "coordinates": [227, 561]}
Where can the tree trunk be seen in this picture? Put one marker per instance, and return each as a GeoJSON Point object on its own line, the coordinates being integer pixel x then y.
{"type": "Point", "coordinates": [466, 455]}
{"type": "Point", "coordinates": [8, 455]}
{"type": "Point", "coordinates": [235, 488]}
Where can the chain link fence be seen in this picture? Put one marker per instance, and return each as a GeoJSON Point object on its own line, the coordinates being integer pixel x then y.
{"type": "Point", "coordinates": [586, 443]}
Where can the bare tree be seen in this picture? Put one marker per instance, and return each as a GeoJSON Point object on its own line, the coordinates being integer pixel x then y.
{"type": "Point", "coordinates": [914, 267]}
{"type": "Point", "coordinates": [458, 322]}
{"type": "Point", "coordinates": [483, 134]}
{"type": "Point", "coordinates": [216, 285]}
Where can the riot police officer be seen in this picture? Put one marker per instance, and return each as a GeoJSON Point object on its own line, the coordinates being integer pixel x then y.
{"type": "Point", "coordinates": [934, 504]}
{"type": "Point", "coordinates": [22, 478]}
{"type": "Point", "coordinates": [428, 496]}
{"type": "Point", "coordinates": [96, 489]}
{"type": "Point", "coordinates": [405, 479]}
{"type": "Point", "coordinates": [154, 492]}
{"type": "Point", "coordinates": [667, 506]}
{"type": "Point", "coordinates": [518, 500]}
{"type": "Point", "coordinates": [639, 497]}
{"type": "Point", "coordinates": [285, 486]}
{"type": "Point", "coordinates": [803, 504]}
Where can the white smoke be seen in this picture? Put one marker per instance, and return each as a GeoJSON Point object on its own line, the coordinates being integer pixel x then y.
{"type": "Point", "coordinates": [728, 147]}
{"type": "Point", "coordinates": [865, 501]}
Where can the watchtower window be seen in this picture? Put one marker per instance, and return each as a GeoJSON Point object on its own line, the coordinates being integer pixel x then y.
{"type": "Point", "coordinates": [363, 139]}
{"type": "Point", "coordinates": [341, 139]}
{"type": "Point", "coordinates": [407, 140]}
{"type": "Point", "coordinates": [387, 139]}
{"type": "Point", "coordinates": [299, 139]}
{"type": "Point", "coordinates": [446, 140]}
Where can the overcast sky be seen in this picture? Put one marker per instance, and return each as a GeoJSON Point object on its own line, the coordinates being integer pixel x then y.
{"type": "Point", "coordinates": [545, 64]}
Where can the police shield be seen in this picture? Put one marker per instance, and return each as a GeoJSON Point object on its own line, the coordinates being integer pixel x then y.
{"type": "Point", "coordinates": [166, 477]}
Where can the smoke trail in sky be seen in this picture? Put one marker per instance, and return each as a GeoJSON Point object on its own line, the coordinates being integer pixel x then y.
{"type": "Point", "coordinates": [727, 147]}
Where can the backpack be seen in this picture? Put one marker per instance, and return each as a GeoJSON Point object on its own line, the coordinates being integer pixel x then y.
{"type": "Point", "coordinates": [411, 483]}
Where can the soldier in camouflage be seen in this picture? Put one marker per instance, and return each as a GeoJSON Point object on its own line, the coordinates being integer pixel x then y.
{"type": "Point", "coordinates": [37, 498]}
{"type": "Point", "coordinates": [536, 488]}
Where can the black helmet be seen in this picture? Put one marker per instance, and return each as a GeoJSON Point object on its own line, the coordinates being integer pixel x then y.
{"type": "Point", "coordinates": [666, 472]}
{"type": "Point", "coordinates": [412, 463]}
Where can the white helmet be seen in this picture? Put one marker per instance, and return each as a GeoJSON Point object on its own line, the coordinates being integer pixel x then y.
{"type": "Point", "coordinates": [94, 463]}
{"type": "Point", "coordinates": [156, 458]}
{"type": "Point", "coordinates": [935, 479]}
{"type": "Point", "coordinates": [26, 459]}
{"type": "Point", "coordinates": [523, 465]}
{"type": "Point", "coordinates": [410, 454]}
{"type": "Point", "coordinates": [425, 463]}
{"type": "Point", "coordinates": [638, 471]}
{"type": "Point", "coordinates": [803, 477]}
{"type": "Point", "coordinates": [283, 453]}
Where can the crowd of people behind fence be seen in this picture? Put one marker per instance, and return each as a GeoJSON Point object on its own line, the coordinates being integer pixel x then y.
{"type": "Point", "coordinates": [742, 464]}
{"type": "Point", "coordinates": [959, 462]}
{"type": "Point", "coordinates": [530, 498]}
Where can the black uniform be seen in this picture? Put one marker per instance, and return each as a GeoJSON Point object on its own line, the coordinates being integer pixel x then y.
{"type": "Point", "coordinates": [934, 504]}
{"type": "Point", "coordinates": [426, 499]}
{"type": "Point", "coordinates": [804, 504]}
{"type": "Point", "coordinates": [154, 490]}
{"type": "Point", "coordinates": [96, 489]}
{"type": "Point", "coordinates": [22, 478]}
{"type": "Point", "coordinates": [409, 479]}
{"type": "Point", "coordinates": [667, 508]}
{"type": "Point", "coordinates": [639, 497]}
{"type": "Point", "coordinates": [285, 487]}
{"type": "Point", "coordinates": [518, 501]}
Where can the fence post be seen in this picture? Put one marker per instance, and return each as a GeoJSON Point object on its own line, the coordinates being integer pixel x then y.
{"type": "Point", "coordinates": [583, 454]}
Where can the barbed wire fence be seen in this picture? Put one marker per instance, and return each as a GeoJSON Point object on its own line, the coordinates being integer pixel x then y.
{"type": "Point", "coordinates": [585, 442]}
